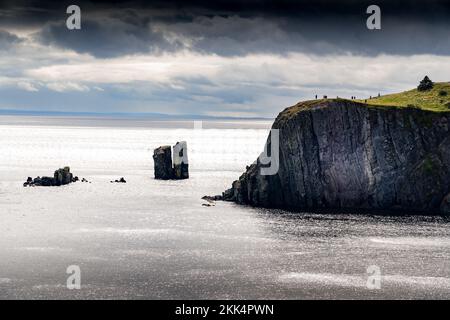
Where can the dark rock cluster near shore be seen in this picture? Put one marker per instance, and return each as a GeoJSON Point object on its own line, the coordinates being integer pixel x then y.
{"type": "Point", "coordinates": [60, 177]}
{"type": "Point", "coordinates": [340, 154]}
{"type": "Point", "coordinates": [171, 166]}
{"type": "Point", "coordinates": [121, 180]}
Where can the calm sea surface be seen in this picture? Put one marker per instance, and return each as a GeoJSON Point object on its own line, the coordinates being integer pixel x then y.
{"type": "Point", "coordinates": [154, 239]}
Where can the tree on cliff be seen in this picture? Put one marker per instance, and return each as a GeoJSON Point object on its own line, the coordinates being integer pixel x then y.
{"type": "Point", "coordinates": [425, 84]}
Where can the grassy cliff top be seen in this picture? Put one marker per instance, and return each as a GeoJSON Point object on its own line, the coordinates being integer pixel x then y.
{"type": "Point", "coordinates": [436, 99]}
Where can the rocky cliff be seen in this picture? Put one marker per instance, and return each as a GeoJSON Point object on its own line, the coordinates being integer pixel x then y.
{"type": "Point", "coordinates": [340, 154]}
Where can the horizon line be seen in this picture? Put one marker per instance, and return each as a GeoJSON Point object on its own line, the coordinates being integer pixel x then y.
{"type": "Point", "coordinates": [154, 115]}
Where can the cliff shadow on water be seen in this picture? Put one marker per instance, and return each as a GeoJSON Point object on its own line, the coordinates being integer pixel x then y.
{"type": "Point", "coordinates": [346, 155]}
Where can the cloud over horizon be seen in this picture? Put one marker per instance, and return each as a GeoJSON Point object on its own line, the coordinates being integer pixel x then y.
{"type": "Point", "coordinates": [243, 58]}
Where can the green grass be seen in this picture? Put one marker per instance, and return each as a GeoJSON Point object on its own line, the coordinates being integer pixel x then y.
{"type": "Point", "coordinates": [432, 100]}
{"type": "Point", "coordinates": [437, 99]}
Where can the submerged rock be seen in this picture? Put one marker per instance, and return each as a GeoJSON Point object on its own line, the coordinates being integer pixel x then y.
{"type": "Point", "coordinates": [212, 198]}
{"type": "Point", "coordinates": [207, 205]}
{"type": "Point", "coordinates": [343, 154]}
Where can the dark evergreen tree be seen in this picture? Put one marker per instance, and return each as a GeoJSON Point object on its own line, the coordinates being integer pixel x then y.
{"type": "Point", "coordinates": [425, 84]}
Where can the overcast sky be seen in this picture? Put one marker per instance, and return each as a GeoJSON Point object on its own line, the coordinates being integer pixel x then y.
{"type": "Point", "coordinates": [219, 58]}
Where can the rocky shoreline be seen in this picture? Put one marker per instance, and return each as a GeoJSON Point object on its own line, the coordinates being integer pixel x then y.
{"type": "Point", "coordinates": [333, 154]}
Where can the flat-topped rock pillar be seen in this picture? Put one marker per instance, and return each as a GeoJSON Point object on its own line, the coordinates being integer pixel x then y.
{"type": "Point", "coordinates": [162, 157]}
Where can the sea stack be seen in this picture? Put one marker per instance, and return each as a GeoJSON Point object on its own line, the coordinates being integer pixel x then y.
{"type": "Point", "coordinates": [180, 161]}
{"type": "Point", "coordinates": [340, 154]}
{"type": "Point", "coordinates": [162, 157]}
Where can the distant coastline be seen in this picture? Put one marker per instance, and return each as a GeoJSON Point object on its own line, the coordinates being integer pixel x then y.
{"type": "Point", "coordinates": [128, 120]}
{"type": "Point", "coordinates": [119, 115]}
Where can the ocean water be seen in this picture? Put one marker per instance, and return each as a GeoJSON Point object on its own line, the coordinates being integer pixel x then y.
{"type": "Point", "coordinates": [150, 239]}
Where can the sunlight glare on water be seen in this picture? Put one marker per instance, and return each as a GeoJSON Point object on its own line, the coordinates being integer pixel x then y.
{"type": "Point", "coordinates": [154, 239]}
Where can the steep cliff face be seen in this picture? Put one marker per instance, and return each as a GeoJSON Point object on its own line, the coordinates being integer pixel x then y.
{"type": "Point", "coordinates": [344, 154]}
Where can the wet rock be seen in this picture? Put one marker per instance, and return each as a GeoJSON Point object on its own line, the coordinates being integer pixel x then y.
{"type": "Point", "coordinates": [29, 182]}
{"type": "Point", "coordinates": [162, 158]}
{"type": "Point", "coordinates": [47, 182]}
{"type": "Point", "coordinates": [67, 176]}
{"type": "Point", "coordinates": [207, 205]}
{"type": "Point", "coordinates": [228, 195]}
{"type": "Point", "coordinates": [180, 161]}
{"type": "Point", "coordinates": [212, 198]}
{"type": "Point", "coordinates": [60, 177]}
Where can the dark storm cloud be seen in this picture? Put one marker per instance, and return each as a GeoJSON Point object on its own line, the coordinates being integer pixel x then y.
{"type": "Point", "coordinates": [7, 40]}
{"type": "Point", "coordinates": [429, 9]}
{"type": "Point", "coordinates": [233, 28]}
{"type": "Point", "coordinates": [106, 38]}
